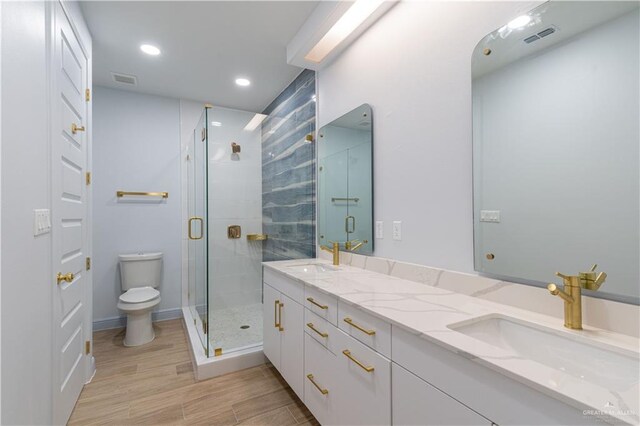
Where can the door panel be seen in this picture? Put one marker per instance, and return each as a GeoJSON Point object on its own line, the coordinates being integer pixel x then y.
{"type": "Point", "coordinates": [271, 343]}
{"type": "Point", "coordinates": [69, 215]}
{"type": "Point", "coordinates": [291, 344]}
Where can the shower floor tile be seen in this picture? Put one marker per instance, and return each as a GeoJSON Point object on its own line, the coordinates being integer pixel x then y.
{"type": "Point", "coordinates": [226, 327]}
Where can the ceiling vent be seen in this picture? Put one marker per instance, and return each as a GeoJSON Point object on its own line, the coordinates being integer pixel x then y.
{"type": "Point", "coordinates": [541, 34]}
{"type": "Point", "coordinates": [130, 80]}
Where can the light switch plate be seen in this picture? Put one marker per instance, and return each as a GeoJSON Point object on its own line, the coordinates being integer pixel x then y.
{"type": "Point", "coordinates": [41, 221]}
{"type": "Point", "coordinates": [492, 216]}
{"type": "Point", "coordinates": [379, 229]}
{"type": "Point", "coordinates": [397, 230]}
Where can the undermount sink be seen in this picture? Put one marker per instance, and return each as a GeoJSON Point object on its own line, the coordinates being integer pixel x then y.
{"type": "Point", "coordinates": [594, 362]}
{"type": "Point", "coordinates": [313, 268]}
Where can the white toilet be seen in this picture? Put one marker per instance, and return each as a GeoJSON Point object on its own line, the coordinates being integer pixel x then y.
{"type": "Point", "coordinates": [140, 276]}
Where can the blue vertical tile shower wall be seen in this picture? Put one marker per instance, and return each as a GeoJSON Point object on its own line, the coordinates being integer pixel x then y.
{"type": "Point", "coordinates": [288, 172]}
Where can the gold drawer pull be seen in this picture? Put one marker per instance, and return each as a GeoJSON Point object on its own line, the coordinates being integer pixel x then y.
{"type": "Point", "coordinates": [322, 391]}
{"type": "Point", "coordinates": [320, 333]}
{"type": "Point", "coordinates": [310, 299]}
{"type": "Point", "coordinates": [364, 330]}
{"type": "Point", "coordinates": [276, 324]}
{"type": "Point", "coordinates": [347, 353]}
{"type": "Point", "coordinates": [280, 305]}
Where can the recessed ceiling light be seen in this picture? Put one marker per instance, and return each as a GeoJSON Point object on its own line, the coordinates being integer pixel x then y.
{"type": "Point", "coordinates": [242, 82]}
{"type": "Point", "coordinates": [519, 22]}
{"type": "Point", "coordinates": [150, 50]}
{"type": "Point", "coordinates": [216, 123]}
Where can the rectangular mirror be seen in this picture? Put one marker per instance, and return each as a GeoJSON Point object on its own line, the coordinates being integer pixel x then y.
{"type": "Point", "coordinates": [345, 181]}
{"type": "Point", "coordinates": [556, 146]}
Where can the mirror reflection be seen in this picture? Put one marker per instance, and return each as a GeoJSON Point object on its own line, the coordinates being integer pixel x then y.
{"type": "Point", "coordinates": [555, 139]}
{"type": "Point", "coordinates": [345, 183]}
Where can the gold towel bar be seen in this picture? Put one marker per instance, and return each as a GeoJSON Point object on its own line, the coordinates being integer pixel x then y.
{"type": "Point", "coordinates": [121, 194]}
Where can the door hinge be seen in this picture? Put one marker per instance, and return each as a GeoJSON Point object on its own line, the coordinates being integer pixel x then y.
{"type": "Point", "coordinates": [87, 263]}
{"type": "Point", "coordinates": [205, 327]}
{"type": "Point", "coordinates": [87, 347]}
{"type": "Point", "coordinates": [88, 178]}
{"type": "Point", "coordinates": [87, 95]}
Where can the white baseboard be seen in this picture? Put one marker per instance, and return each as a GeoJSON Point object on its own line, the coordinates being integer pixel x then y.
{"type": "Point", "coordinates": [121, 322]}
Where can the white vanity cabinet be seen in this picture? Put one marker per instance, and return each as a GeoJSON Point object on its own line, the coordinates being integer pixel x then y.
{"type": "Point", "coordinates": [283, 340]}
{"type": "Point", "coordinates": [363, 383]}
{"type": "Point", "coordinates": [416, 402]}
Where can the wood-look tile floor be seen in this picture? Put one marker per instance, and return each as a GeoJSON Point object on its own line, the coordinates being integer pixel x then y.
{"type": "Point", "coordinates": [154, 384]}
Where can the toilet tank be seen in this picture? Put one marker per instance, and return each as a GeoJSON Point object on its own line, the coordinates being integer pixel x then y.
{"type": "Point", "coordinates": [140, 270]}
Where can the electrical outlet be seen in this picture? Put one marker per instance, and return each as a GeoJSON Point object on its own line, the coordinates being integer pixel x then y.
{"type": "Point", "coordinates": [397, 230]}
{"type": "Point", "coordinates": [379, 229]}
{"type": "Point", "coordinates": [492, 216]}
{"type": "Point", "coordinates": [41, 221]}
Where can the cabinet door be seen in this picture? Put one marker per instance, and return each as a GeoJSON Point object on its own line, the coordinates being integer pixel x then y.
{"type": "Point", "coordinates": [416, 402]}
{"type": "Point", "coordinates": [363, 383]}
{"type": "Point", "coordinates": [271, 333]}
{"type": "Point", "coordinates": [320, 393]}
{"type": "Point", "coordinates": [291, 344]}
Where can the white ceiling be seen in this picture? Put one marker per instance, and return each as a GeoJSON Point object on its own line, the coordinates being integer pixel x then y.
{"type": "Point", "coordinates": [205, 47]}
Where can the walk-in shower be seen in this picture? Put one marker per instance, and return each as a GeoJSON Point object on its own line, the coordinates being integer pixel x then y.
{"type": "Point", "coordinates": [248, 196]}
{"type": "Point", "coordinates": [224, 235]}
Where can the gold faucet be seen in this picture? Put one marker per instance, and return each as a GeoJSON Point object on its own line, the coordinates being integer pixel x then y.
{"type": "Point", "coordinates": [335, 250]}
{"type": "Point", "coordinates": [354, 245]}
{"type": "Point", "coordinates": [572, 294]}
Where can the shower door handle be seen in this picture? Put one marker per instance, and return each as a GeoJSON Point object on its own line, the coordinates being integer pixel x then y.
{"type": "Point", "coordinates": [191, 220]}
{"type": "Point", "coordinates": [353, 224]}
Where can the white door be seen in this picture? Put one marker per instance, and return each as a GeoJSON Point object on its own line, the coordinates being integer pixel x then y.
{"type": "Point", "coordinates": [69, 215]}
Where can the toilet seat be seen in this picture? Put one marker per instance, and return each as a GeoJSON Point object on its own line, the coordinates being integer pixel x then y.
{"type": "Point", "coordinates": [139, 295]}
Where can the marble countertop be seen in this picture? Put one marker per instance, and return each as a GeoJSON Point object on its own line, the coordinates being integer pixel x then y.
{"type": "Point", "coordinates": [428, 311]}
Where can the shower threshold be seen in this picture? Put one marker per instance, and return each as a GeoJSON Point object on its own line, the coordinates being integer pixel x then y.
{"type": "Point", "coordinates": [207, 367]}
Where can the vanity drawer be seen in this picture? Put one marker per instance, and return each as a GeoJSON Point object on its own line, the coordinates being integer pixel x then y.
{"type": "Point", "coordinates": [416, 402]}
{"type": "Point", "coordinates": [363, 383]}
{"type": "Point", "coordinates": [370, 330]}
{"type": "Point", "coordinates": [322, 304]}
{"type": "Point", "coordinates": [320, 394]}
{"type": "Point", "coordinates": [283, 284]}
{"type": "Point", "coordinates": [493, 395]}
{"type": "Point", "coordinates": [320, 330]}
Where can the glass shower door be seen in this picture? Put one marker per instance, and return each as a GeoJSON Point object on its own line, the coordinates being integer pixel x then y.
{"type": "Point", "coordinates": [197, 230]}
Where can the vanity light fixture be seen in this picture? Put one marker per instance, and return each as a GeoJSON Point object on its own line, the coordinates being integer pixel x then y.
{"type": "Point", "coordinates": [150, 49]}
{"type": "Point", "coordinates": [353, 17]}
{"type": "Point", "coordinates": [519, 22]}
{"type": "Point", "coordinates": [216, 123]}
{"type": "Point", "coordinates": [254, 122]}
{"type": "Point", "coordinates": [242, 82]}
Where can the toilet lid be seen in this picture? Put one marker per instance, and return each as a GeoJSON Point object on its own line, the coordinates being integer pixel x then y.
{"type": "Point", "coordinates": [139, 295]}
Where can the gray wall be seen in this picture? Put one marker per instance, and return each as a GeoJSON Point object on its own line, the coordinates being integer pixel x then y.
{"type": "Point", "coordinates": [136, 148]}
{"type": "Point", "coordinates": [413, 66]}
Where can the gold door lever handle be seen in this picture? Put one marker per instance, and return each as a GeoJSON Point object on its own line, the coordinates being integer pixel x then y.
{"type": "Point", "coordinates": [75, 128]}
{"type": "Point", "coordinates": [68, 277]}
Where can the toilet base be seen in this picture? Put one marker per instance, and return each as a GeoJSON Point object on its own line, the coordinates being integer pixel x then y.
{"type": "Point", "coordinates": [139, 329]}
